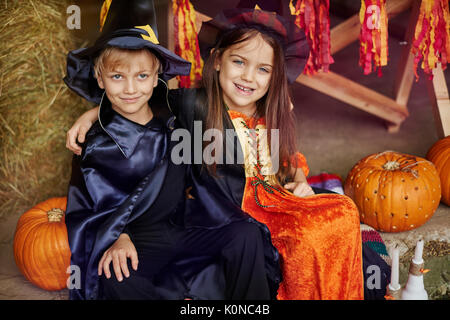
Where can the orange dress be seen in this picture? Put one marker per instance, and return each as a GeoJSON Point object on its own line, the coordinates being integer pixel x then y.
{"type": "Point", "coordinates": [318, 237]}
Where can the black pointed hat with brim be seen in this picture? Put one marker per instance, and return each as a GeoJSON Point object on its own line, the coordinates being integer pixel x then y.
{"type": "Point", "coordinates": [129, 24]}
{"type": "Point", "coordinates": [283, 28]}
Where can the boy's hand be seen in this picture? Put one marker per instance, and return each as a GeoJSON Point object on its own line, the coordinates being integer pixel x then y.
{"type": "Point", "coordinates": [79, 130]}
{"type": "Point", "coordinates": [300, 189]}
{"type": "Point", "coordinates": [118, 253]}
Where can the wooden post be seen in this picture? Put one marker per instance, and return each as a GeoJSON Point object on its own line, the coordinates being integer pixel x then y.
{"type": "Point", "coordinates": [405, 73]}
{"type": "Point", "coordinates": [344, 33]}
{"type": "Point", "coordinates": [356, 95]}
{"type": "Point", "coordinates": [438, 91]}
{"type": "Point", "coordinates": [166, 30]}
{"type": "Point", "coordinates": [199, 18]}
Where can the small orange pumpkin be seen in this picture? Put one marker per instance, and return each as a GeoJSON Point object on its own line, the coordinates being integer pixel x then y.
{"type": "Point", "coordinates": [394, 191]}
{"type": "Point", "coordinates": [41, 247]}
{"type": "Point", "coordinates": [439, 154]}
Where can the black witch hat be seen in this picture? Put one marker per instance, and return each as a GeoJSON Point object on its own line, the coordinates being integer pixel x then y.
{"type": "Point", "coordinates": [129, 24]}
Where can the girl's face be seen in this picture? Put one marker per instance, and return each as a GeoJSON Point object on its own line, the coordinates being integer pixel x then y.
{"type": "Point", "coordinates": [245, 70]}
{"type": "Point", "coordinates": [129, 79]}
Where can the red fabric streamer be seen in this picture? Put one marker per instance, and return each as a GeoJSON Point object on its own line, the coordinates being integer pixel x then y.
{"type": "Point", "coordinates": [374, 35]}
{"type": "Point", "coordinates": [313, 17]}
{"type": "Point", "coordinates": [432, 36]}
{"type": "Point", "coordinates": [186, 41]}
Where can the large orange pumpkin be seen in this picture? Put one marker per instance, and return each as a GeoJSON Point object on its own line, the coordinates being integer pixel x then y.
{"type": "Point", "coordinates": [439, 154]}
{"type": "Point", "coordinates": [394, 191]}
{"type": "Point", "coordinates": [41, 247]}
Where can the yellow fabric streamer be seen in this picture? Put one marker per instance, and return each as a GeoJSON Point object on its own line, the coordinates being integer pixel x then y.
{"type": "Point", "coordinates": [313, 17]}
{"type": "Point", "coordinates": [104, 12]}
{"type": "Point", "coordinates": [432, 36]}
{"type": "Point", "coordinates": [373, 37]}
{"type": "Point", "coordinates": [186, 41]}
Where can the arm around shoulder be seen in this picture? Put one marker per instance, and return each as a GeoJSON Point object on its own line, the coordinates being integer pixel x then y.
{"type": "Point", "coordinates": [79, 129]}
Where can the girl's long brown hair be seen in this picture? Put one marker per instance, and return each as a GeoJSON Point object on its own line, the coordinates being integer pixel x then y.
{"type": "Point", "coordinates": [274, 106]}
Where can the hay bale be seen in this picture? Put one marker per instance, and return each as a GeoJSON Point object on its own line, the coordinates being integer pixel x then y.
{"type": "Point", "coordinates": [36, 107]}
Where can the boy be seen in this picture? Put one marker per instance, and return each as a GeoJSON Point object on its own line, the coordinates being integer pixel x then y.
{"type": "Point", "coordinates": [133, 116]}
{"type": "Point", "coordinates": [124, 188]}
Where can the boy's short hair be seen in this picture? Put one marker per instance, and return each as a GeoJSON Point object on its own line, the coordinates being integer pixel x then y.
{"type": "Point", "coordinates": [100, 61]}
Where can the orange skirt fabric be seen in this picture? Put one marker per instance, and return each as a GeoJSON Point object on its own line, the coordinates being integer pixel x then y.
{"type": "Point", "coordinates": [319, 241]}
{"type": "Point", "coordinates": [318, 237]}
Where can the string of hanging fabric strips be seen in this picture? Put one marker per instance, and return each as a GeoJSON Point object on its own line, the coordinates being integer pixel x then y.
{"type": "Point", "coordinates": [431, 43]}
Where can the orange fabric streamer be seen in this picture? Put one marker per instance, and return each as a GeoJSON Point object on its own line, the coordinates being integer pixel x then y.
{"type": "Point", "coordinates": [186, 41]}
{"type": "Point", "coordinates": [318, 237]}
{"type": "Point", "coordinates": [432, 36]}
{"type": "Point", "coordinates": [313, 17]}
{"type": "Point", "coordinates": [104, 12]}
{"type": "Point", "coordinates": [373, 37]}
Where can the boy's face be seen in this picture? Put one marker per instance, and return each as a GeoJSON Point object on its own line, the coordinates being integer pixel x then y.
{"type": "Point", "coordinates": [128, 79]}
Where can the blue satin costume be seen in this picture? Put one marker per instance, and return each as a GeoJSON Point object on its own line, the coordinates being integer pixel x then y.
{"type": "Point", "coordinates": [120, 184]}
{"type": "Point", "coordinates": [118, 157]}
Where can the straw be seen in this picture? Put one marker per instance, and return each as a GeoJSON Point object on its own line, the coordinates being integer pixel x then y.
{"type": "Point", "coordinates": [36, 108]}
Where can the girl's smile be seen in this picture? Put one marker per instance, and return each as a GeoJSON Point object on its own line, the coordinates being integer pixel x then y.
{"type": "Point", "coordinates": [245, 70]}
{"type": "Point", "coordinates": [244, 90]}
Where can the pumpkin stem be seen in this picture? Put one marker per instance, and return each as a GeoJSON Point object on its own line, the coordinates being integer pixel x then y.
{"type": "Point", "coordinates": [391, 165]}
{"type": "Point", "coordinates": [55, 215]}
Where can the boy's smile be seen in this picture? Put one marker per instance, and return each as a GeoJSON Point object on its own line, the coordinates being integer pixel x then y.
{"type": "Point", "coordinates": [245, 72]}
{"type": "Point", "coordinates": [128, 79]}
{"type": "Point", "coordinates": [130, 100]}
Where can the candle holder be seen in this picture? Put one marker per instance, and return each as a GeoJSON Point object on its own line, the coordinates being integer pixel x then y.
{"type": "Point", "coordinates": [393, 290]}
{"type": "Point", "coordinates": [415, 289]}
{"type": "Point", "coordinates": [393, 293]}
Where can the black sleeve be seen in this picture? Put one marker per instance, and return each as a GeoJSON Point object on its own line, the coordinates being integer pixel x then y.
{"type": "Point", "coordinates": [176, 101]}
{"type": "Point", "coordinates": [79, 201]}
{"type": "Point", "coordinates": [188, 105]}
{"type": "Point", "coordinates": [127, 231]}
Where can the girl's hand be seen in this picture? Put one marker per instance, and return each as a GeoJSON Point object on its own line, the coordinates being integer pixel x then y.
{"type": "Point", "coordinates": [79, 130]}
{"type": "Point", "coordinates": [118, 253]}
{"type": "Point", "coordinates": [300, 189]}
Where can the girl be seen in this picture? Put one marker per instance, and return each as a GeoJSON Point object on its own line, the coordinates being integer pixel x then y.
{"type": "Point", "coordinates": [245, 88]}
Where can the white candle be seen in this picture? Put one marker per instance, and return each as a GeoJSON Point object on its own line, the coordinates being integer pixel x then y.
{"type": "Point", "coordinates": [394, 285]}
{"type": "Point", "coordinates": [418, 252]}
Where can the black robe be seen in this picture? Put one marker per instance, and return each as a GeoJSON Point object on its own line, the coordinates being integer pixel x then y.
{"type": "Point", "coordinates": [216, 200]}
{"type": "Point", "coordinates": [101, 204]}
{"type": "Point", "coordinates": [121, 162]}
